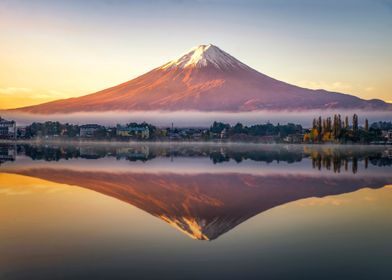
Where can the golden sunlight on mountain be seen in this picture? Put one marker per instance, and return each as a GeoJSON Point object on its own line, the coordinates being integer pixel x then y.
{"type": "Point", "coordinates": [188, 226]}
{"type": "Point", "coordinates": [206, 79]}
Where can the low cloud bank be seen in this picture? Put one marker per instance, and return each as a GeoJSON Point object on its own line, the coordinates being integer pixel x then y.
{"type": "Point", "coordinates": [195, 118]}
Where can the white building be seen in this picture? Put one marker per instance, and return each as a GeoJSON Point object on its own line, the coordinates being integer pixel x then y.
{"type": "Point", "coordinates": [140, 132]}
{"type": "Point", "coordinates": [88, 130]}
{"type": "Point", "coordinates": [7, 129]}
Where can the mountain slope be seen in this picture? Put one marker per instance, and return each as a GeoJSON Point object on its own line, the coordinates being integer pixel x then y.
{"type": "Point", "coordinates": [205, 79]}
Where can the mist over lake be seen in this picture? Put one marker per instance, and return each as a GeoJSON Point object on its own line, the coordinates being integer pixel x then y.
{"type": "Point", "coordinates": [195, 118]}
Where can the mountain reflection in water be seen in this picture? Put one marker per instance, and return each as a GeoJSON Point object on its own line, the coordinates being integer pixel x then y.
{"type": "Point", "coordinates": [202, 190]}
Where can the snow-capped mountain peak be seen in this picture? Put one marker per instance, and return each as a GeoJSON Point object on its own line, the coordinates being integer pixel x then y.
{"type": "Point", "coordinates": [205, 55]}
{"type": "Point", "coordinates": [205, 79]}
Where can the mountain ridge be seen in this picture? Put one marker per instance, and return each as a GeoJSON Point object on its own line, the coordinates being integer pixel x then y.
{"type": "Point", "coordinates": [205, 79]}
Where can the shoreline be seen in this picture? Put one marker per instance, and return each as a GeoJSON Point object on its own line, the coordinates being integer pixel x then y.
{"type": "Point", "coordinates": [132, 143]}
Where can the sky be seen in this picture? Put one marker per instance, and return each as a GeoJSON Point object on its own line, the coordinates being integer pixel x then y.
{"type": "Point", "coordinates": [60, 49]}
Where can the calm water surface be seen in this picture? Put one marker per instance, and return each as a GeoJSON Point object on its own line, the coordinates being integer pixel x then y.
{"type": "Point", "coordinates": [183, 211]}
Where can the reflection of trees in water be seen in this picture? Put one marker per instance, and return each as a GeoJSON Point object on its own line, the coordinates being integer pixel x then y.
{"type": "Point", "coordinates": [141, 153]}
{"type": "Point", "coordinates": [56, 153]}
{"type": "Point", "coordinates": [339, 160]}
{"type": "Point", "coordinates": [49, 153]}
{"type": "Point", "coordinates": [264, 156]}
{"type": "Point", "coordinates": [336, 159]}
{"type": "Point", "coordinates": [335, 163]}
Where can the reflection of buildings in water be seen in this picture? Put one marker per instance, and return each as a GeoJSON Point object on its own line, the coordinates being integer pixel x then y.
{"type": "Point", "coordinates": [388, 153]}
{"type": "Point", "coordinates": [7, 153]}
{"type": "Point", "coordinates": [204, 206]}
{"type": "Point", "coordinates": [336, 159]}
{"type": "Point", "coordinates": [89, 152]}
{"type": "Point", "coordinates": [141, 153]}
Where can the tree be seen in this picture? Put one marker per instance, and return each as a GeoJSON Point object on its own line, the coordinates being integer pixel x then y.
{"type": "Point", "coordinates": [314, 123]}
{"type": "Point", "coordinates": [346, 123]}
{"type": "Point", "coordinates": [336, 126]}
{"type": "Point", "coordinates": [355, 123]}
{"type": "Point", "coordinates": [217, 127]}
{"type": "Point", "coordinates": [366, 125]}
{"type": "Point", "coordinates": [238, 128]}
{"type": "Point", "coordinates": [319, 129]}
{"type": "Point", "coordinates": [339, 124]}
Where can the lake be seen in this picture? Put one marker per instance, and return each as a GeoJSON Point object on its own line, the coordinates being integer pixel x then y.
{"type": "Point", "coordinates": [195, 211]}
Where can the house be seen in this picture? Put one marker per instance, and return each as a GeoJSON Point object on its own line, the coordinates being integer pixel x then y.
{"type": "Point", "coordinates": [389, 136]}
{"type": "Point", "coordinates": [87, 130]}
{"type": "Point", "coordinates": [7, 129]}
{"type": "Point", "coordinates": [294, 138]}
{"type": "Point", "coordinates": [142, 132]}
{"type": "Point", "coordinates": [21, 132]}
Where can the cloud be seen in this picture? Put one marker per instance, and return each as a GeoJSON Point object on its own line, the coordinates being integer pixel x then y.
{"type": "Point", "coordinates": [31, 189]}
{"type": "Point", "coordinates": [53, 94]}
{"type": "Point", "coordinates": [56, 93]}
{"type": "Point", "coordinates": [19, 96]}
{"type": "Point", "coordinates": [332, 86]}
{"type": "Point", "coordinates": [14, 90]}
{"type": "Point", "coordinates": [11, 191]}
{"type": "Point", "coordinates": [328, 200]}
{"type": "Point", "coordinates": [370, 89]}
{"type": "Point", "coordinates": [336, 86]}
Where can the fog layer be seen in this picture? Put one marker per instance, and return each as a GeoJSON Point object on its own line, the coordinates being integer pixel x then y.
{"type": "Point", "coordinates": [194, 118]}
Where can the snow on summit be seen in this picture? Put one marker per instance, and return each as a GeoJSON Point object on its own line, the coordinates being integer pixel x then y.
{"type": "Point", "coordinates": [205, 79]}
{"type": "Point", "coordinates": [205, 55]}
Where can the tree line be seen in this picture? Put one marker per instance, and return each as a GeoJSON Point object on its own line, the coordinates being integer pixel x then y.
{"type": "Point", "coordinates": [338, 130]}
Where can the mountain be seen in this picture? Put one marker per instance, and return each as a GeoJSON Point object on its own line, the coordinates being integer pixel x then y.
{"type": "Point", "coordinates": [206, 79]}
{"type": "Point", "coordinates": [203, 206]}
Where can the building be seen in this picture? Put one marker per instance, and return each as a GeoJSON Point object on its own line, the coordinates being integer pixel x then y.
{"type": "Point", "coordinates": [389, 136]}
{"type": "Point", "coordinates": [7, 129]}
{"type": "Point", "coordinates": [294, 138]}
{"type": "Point", "coordinates": [21, 132]}
{"type": "Point", "coordinates": [88, 130]}
{"type": "Point", "coordinates": [133, 131]}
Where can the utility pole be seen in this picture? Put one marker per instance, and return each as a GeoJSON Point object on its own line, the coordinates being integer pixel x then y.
{"type": "Point", "coordinates": [171, 134]}
{"type": "Point", "coordinates": [171, 131]}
